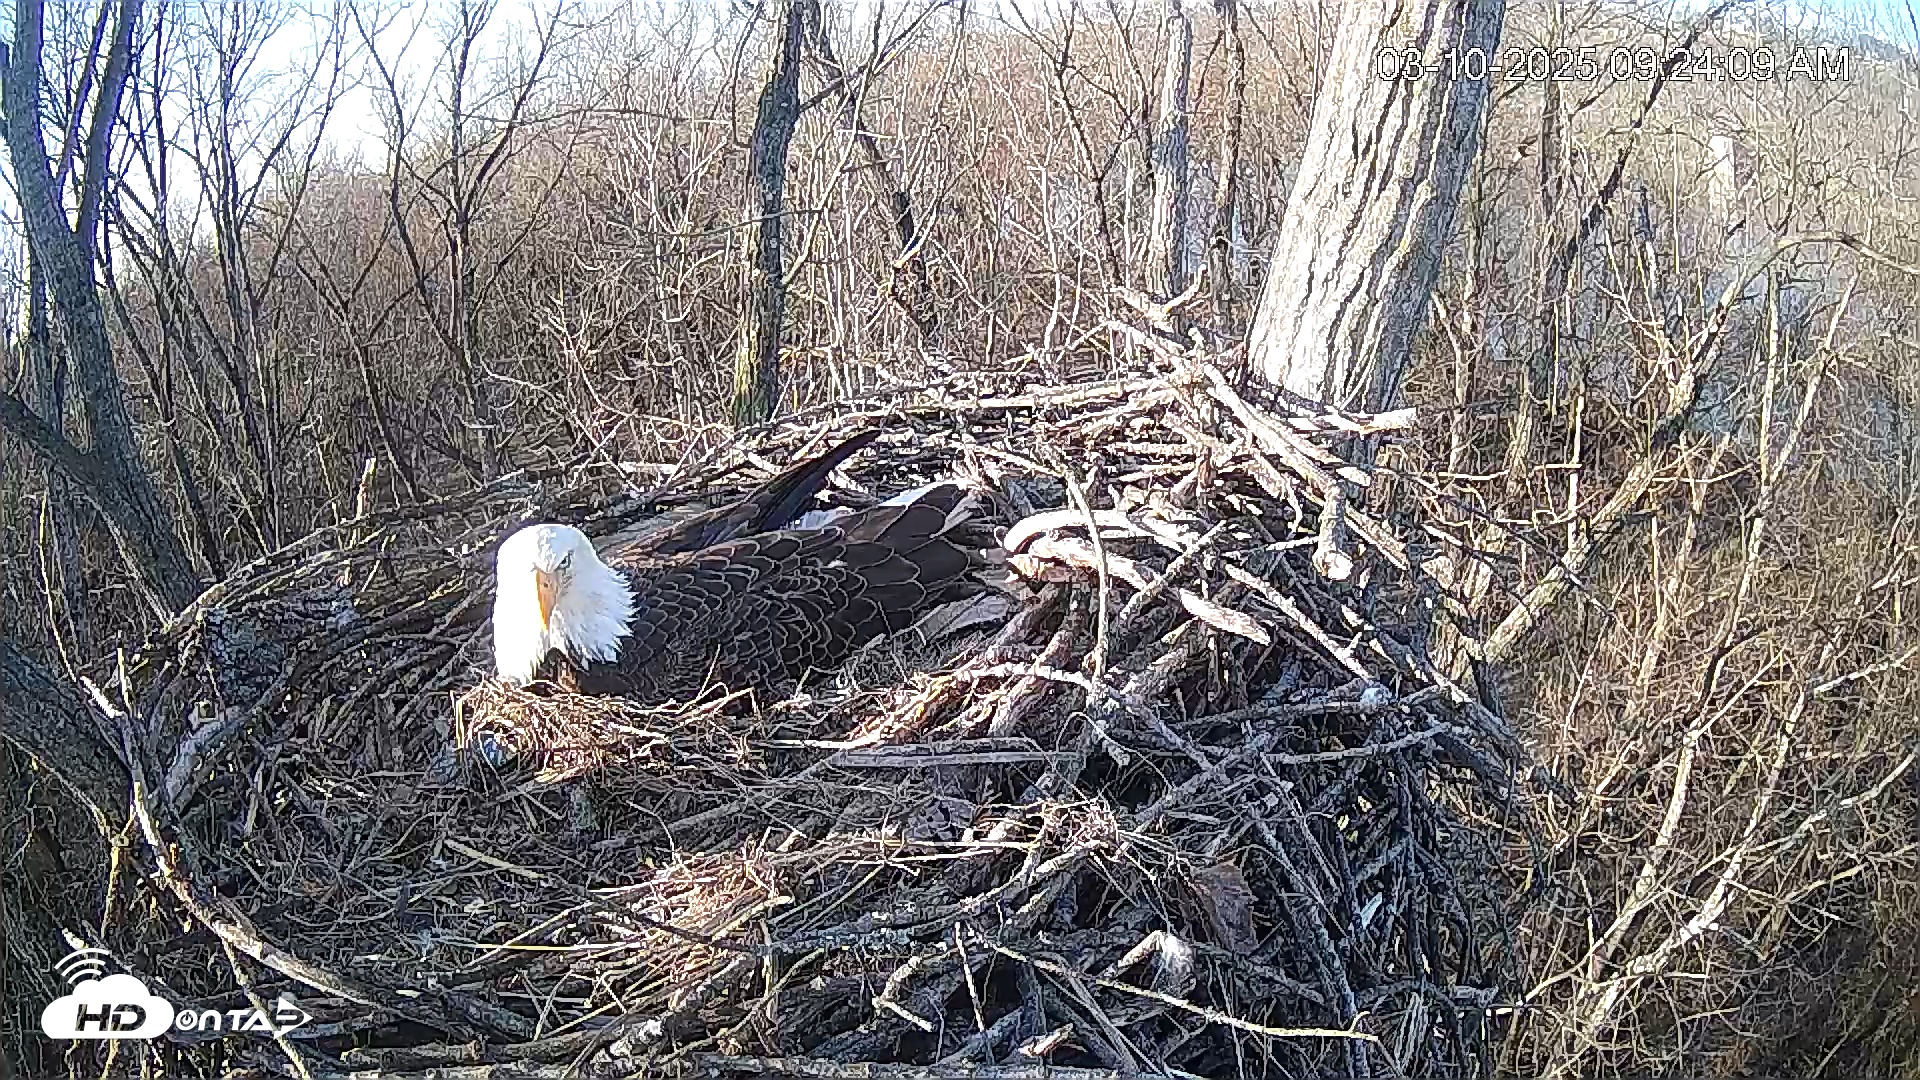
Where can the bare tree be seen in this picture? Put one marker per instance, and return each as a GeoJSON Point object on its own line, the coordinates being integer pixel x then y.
{"type": "Point", "coordinates": [1359, 247]}
{"type": "Point", "coordinates": [109, 471]}
{"type": "Point", "coordinates": [1056, 44]}
{"type": "Point", "coordinates": [1220, 249]}
{"type": "Point", "coordinates": [483, 134]}
{"type": "Point", "coordinates": [910, 288]}
{"type": "Point", "coordinates": [1167, 270]}
{"type": "Point", "coordinates": [248, 149]}
{"type": "Point", "coordinates": [756, 369]}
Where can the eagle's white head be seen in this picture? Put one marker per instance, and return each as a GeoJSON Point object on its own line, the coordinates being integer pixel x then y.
{"type": "Point", "coordinates": [551, 591]}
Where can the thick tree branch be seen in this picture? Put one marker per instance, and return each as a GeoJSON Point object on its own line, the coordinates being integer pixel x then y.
{"type": "Point", "coordinates": [46, 441]}
{"type": "Point", "coordinates": [51, 723]}
{"type": "Point", "coordinates": [106, 112]}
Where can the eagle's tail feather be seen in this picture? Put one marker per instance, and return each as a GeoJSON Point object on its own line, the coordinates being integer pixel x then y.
{"type": "Point", "coordinates": [772, 505]}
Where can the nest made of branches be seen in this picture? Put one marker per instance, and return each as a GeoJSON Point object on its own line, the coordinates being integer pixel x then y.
{"type": "Point", "coordinates": [1188, 796]}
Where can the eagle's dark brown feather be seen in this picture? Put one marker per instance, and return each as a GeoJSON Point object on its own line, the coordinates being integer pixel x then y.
{"type": "Point", "coordinates": [758, 610]}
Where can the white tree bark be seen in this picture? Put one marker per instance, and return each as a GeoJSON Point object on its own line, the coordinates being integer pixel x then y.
{"type": "Point", "coordinates": [1373, 204]}
{"type": "Point", "coordinates": [1167, 270]}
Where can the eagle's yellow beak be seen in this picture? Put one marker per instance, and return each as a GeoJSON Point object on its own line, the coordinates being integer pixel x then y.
{"type": "Point", "coordinates": [545, 589]}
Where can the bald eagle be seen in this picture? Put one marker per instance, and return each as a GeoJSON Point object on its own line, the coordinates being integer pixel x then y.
{"type": "Point", "coordinates": [746, 595]}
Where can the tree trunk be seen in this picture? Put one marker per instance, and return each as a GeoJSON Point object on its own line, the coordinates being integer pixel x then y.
{"type": "Point", "coordinates": [59, 516]}
{"type": "Point", "coordinates": [110, 473]}
{"type": "Point", "coordinates": [1226, 193]}
{"type": "Point", "coordinates": [1167, 270]}
{"type": "Point", "coordinates": [1373, 205]}
{"type": "Point", "coordinates": [756, 366]}
{"type": "Point", "coordinates": [58, 732]}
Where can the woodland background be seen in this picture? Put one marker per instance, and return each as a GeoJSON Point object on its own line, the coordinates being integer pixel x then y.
{"type": "Point", "coordinates": [535, 258]}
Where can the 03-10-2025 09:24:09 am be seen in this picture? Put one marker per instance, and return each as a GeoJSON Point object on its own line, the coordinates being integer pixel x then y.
{"type": "Point", "coordinates": [1644, 63]}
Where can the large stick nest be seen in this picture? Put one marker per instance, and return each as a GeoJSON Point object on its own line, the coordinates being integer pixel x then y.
{"type": "Point", "coordinates": [1225, 818]}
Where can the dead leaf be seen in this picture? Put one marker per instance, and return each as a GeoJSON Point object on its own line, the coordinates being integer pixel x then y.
{"type": "Point", "coordinates": [1228, 902]}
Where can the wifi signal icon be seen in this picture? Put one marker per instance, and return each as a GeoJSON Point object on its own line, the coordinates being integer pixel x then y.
{"type": "Point", "coordinates": [82, 965]}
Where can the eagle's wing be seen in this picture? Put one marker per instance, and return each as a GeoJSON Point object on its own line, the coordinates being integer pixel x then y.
{"type": "Point", "coordinates": [754, 611]}
{"type": "Point", "coordinates": [769, 506]}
